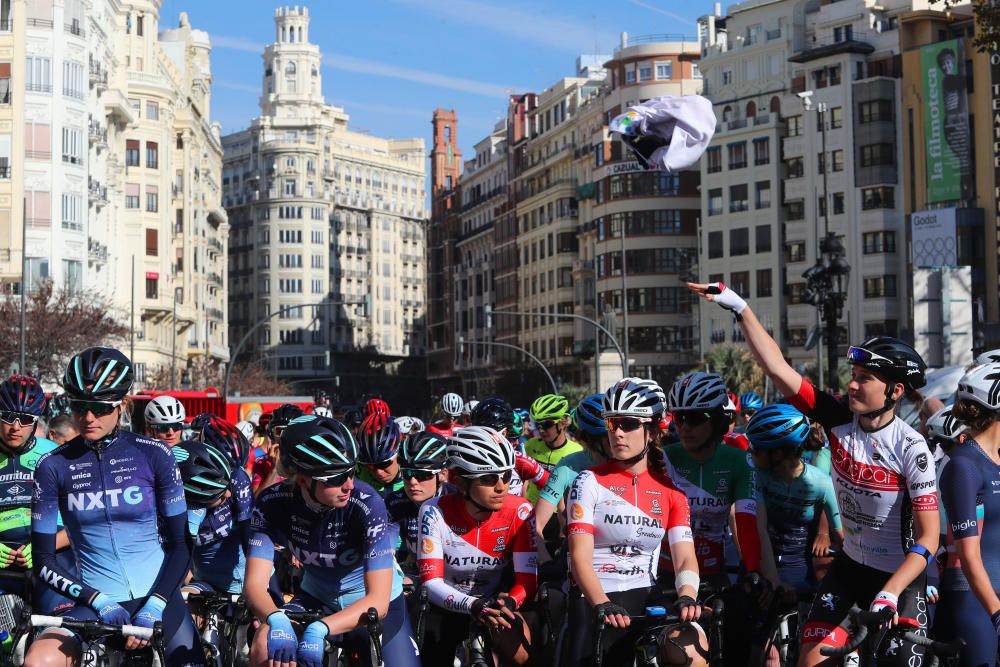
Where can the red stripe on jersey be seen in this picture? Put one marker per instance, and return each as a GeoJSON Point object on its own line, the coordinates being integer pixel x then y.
{"type": "Point", "coordinates": [864, 475]}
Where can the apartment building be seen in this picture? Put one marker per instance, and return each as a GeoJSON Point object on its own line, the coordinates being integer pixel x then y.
{"type": "Point", "coordinates": [12, 44]}
{"type": "Point", "coordinates": [328, 250]}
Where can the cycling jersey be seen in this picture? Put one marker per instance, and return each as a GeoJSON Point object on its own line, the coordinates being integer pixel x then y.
{"type": "Point", "coordinates": [259, 466]}
{"type": "Point", "coordinates": [383, 489]}
{"type": "Point", "coordinates": [526, 471]}
{"type": "Point", "coordinates": [724, 480]}
{"type": "Point", "coordinates": [737, 440]}
{"type": "Point", "coordinates": [628, 515]}
{"type": "Point", "coordinates": [122, 502]}
{"type": "Point", "coordinates": [218, 558]}
{"type": "Point", "coordinates": [336, 546]}
{"type": "Point", "coordinates": [443, 429]}
{"type": "Point", "coordinates": [879, 477]}
{"type": "Point", "coordinates": [562, 477]}
{"type": "Point", "coordinates": [461, 559]}
{"type": "Point", "coordinates": [793, 511]}
{"type": "Point", "coordinates": [548, 458]}
{"type": "Point", "coordinates": [17, 474]}
{"type": "Point", "coordinates": [818, 458]}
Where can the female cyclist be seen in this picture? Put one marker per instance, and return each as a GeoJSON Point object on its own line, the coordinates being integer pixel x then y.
{"type": "Point", "coordinates": [122, 501]}
{"type": "Point", "coordinates": [618, 515]}
{"type": "Point", "coordinates": [379, 439]}
{"type": "Point", "coordinates": [338, 528]}
{"type": "Point", "coordinates": [969, 606]}
{"type": "Point", "coordinates": [884, 476]}
{"type": "Point", "coordinates": [164, 416]}
{"type": "Point", "coordinates": [496, 413]}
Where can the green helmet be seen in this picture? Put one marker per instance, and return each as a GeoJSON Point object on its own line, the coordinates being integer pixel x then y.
{"type": "Point", "coordinates": [549, 407]}
{"type": "Point", "coordinates": [517, 426]}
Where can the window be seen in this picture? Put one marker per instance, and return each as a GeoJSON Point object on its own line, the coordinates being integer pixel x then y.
{"type": "Point", "coordinates": [714, 159]}
{"type": "Point", "coordinates": [763, 194]}
{"type": "Point", "coordinates": [836, 116]}
{"type": "Point", "coordinates": [879, 242]}
{"type": "Point", "coordinates": [73, 82]}
{"type": "Point", "coordinates": [152, 199]}
{"type": "Point", "coordinates": [875, 111]}
{"type": "Point", "coordinates": [72, 211]}
{"type": "Point", "coordinates": [715, 245]}
{"type": "Point", "coordinates": [738, 198]}
{"type": "Point", "coordinates": [795, 210]}
{"type": "Point", "coordinates": [793, 126]}
{"type": "Point", "coordinates": [882, 328]}
{"type": "Point", "coordinates": [762, 151]}
{"type": "Point", "coordinates": [837, 157]}
{"type": "Point", "coordinates": [38, 74]}
{"type": "Point", "coordinates": [739, 244]}
{"type": "Point", "coordinates": [880, 287]}
{"type": "Point", "coordinates": [821, 206]}
{"type": "Point", "coordinates": [152, 287]}
{"type": "Point", "coordinates": [152, 110]}
{"type": "Point", "coordinates": [665, 70]}
{"type": "Point", "coordinates": [630, 73]}
{"type": "Point", "coordinates": [138, 24]}
{"type": "Point", "coordinates": [152, 242]}
{"type": "Point", "coordinates": [838, 203]}
{"type": "Point", "coordinates": [727, 77]}
{"type": "Point", "coordinates": [317, 285]}
{"type": "Point", "coordinates": [290, 187]}
{"type": "Point", "coordinates": [739, 282]}
{"type": "Point", "coordinates": [290, 285]}
{"type": "Point", "coordinates": [645, 71]}
{"type": "Point", "coordinates": [136, 107]}
{"type": "Point", "coordinates": [317, 236]}
{"type": "Point", "coordinates": [762, 234]}
{"type": "Point", "coordinates": [880, 197]}
{"type": "Point", "coordinates": [874, 155]}
{"type": "Point", "coordinates": [131, 195]}
{"type": "Point", "coordinates": [4, 82]}
{"type": "Point", "coordinates": [289, 236]}
{"type": "Point", "coordinates": [72, 145]}
{"type": "Point", "coordinates": [794, 168]}
{"type": "Point", "coordinates": [795, 251]}
{"type": "Point", "coordinates": [737, 155]}
{"type": "Point", "coordinates": [764, 287]}
{"type": "Point", "coordinates": [72, 275]}
{"type": "Point", "coordinates": [152, 155]}
{"type": "Point", "coordinates": [131, 153]}
{"type": "Point", "coordinates": [715, 201]}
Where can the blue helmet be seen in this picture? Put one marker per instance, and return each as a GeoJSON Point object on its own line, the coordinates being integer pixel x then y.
{"type": "Point", "coordinates": [777, 426]}
{"type": "Point", "coordinates": [751, 402]}
{"type": "Point", "coordinates": [22, 393]}
{"type": "Point", "coordinates": [588, 416]}
{"type": "Point", "coordinates": [379, 438]}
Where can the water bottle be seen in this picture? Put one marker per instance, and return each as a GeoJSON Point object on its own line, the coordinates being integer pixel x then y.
{"type": "Point", "coordinates": [6, 642]}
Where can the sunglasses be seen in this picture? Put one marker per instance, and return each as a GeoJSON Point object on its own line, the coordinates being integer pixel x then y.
{"type": "Point", "coordinates": [22, 418]}
{"type": "Point", "coordinates": [418, 474]}
{"type": "Point", "coordinates": [164, 428]}
{"type": "Point", "coordinates": [547, 424]}
{"type": "Point", "coordinates": [381, 465]}
{"type": "Point", "coordinates": [335, 480]}
{"type": "Point", "coordinates": [96, 408]}
{"type": "Point", "coordinates": [276, 431]}
{"type": "Point", "coordinates": [491, 478]}
{"type": "Point", "coordinates": [690, 418]}
{"type": "Point", "coordinates": [858, 355]}
{"type": "Point", "coordinates": [626, 424]}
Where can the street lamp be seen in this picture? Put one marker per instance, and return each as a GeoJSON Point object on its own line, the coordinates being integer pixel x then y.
{"type": "Point", "coordinates": [826, 283]}
{"type": "Point", "coordinates": [462, 342]}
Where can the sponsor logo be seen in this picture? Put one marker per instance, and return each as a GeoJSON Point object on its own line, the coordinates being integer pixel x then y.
{"type": "Point", "coordinates": [576, 512]}
{"type": "Point", "coordinates": [524, 511]}
{"type": "Point", "coordinates": [632, 520]}
{"type": "Point", "coordinates": [655, 507]}
{"type": "Point", "coordinates": [625, 550]}
{"type": "Point", "coordinates": [99, 500]}
{"type": "Point", "coordinates": [925, 503]}
{"type": "Point", "coordinates": [426, 545]}
{"type": "Point", "coordinates": [828, 600]}
{"type": "Point", "coordinates": [922, 485]}
{"type": "Point", "coordinates": [617, 490]}
{"type": "Point", "coordinates": [459, 561]}
{"type": "Point", "coordinates": [374, 530]}
{"type": "Point", "coordinates": [922, 462]}
{"type": "Point", "coordinates": [82, 475]}
{"type": "Point", "coordinates": [964, 525]}
{"type": "Point", "coordinates": [59, 582]}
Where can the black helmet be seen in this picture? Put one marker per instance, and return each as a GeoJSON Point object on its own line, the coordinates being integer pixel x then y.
{"type": "Point", "coordinates": [205, 471]}
{"type": "Point", "coordinates": [98, 374]}
{"type": "Point", "coordinates": [493, 412]}
{"type": "Point", "coordinates": [425, 451]}
{"type": "Point", "coordinates": [317, 447]}
{"type": "Point", "coordinates": [353, 418]}
{"type": "Point", "coordinates": [284, 414]}
{"type": "Point", "coordinates": [890, 359]}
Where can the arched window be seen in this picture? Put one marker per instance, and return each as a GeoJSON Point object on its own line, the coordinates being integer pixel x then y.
{"type": "Point", "coordinates": [751, 109]}
{"type": "Point", "coordinates": [775, 104]}
{"type": "Point", "coordinates": [727, 114]}
{"type": "Point", "coordinates": [290, 79]}
{"type": "Point", "coordinates": [290, 69]}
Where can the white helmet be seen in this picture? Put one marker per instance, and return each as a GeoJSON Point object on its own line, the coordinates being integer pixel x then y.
{"type": "Point", "coordinates": [989, 357]}
{"type": "Point", "coordinates": [469, 407]}
{"type": "Point", "coordinates": [247, 429]}
{"type": "Point", "coordinates": [419, 424]}
{"type": "Point", "coordinates": [699, 391]}
{"type": "Point", "coordinates": [479, 449]}
{"type": "Point", "coordinates": [323, 411]}
{"type": "Point", "coordinates": [943, 425]}
{"type": "Point", "coordinates": [982, 385]}
{"type": "Point", "coordinates": [405, 424]}
{"type": "Point", "coordinates": [633, 397]}
{"type": "Point", "coordinates": [451, 404]}
{"type": "Point", "coordinates": [164, 410]}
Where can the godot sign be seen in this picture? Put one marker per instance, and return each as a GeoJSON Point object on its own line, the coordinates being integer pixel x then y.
{"type": "Point", "coordinates": [933, 234]}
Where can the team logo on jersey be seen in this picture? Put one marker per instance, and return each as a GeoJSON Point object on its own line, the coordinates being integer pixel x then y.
{"type": "Point", "coordinates": [655, 507]}
{"type": "Point", "coordinates": [922, 462]}
{"type": "Point", "coordinates": [107, 498]}
{"type": "Point", "coordinates": [523, 511]}
{"type": "Point", "coordinates": [426, 545]}
{"type": "Point", "coordinates": [828, 600]}
{"type": "Point", "coordinates": [576, 512]}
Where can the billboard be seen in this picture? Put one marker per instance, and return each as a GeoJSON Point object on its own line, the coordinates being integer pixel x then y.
{"type": "Point", "coordinates": [934, 238]}
{"type": "Point", "coordinates": [946, 121]}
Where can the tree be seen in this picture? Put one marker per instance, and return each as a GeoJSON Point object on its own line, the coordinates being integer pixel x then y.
{"type": "Point", "coordinates": [58, 325]}
{"type": "Point", "coordinates": [201, 372]}
{"type": "Point", "coordinates": [737, 367]}
{"type": "Point", "coordinates": [574, 393]}
{"type": "Point", "coordinates": [987, 19]}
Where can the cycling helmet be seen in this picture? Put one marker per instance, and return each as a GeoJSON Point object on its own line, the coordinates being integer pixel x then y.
{"type": "Point", "coordinates": [891, 359]}
{"type": "Point", "coordinates": [323, 411]}
{"type": "Point", "coordinates": [424, 451]}
{"type": "Point", "coordinates": [405, 424]}
{"type": "Point", "coordinates": [751, 402]}
{"type": "Point", "coordinates": [22, 393]}
{"type": "Point", "coordinates": [990, 357]}
{"type": "Point", "coordinates": [469, 407]}
{"type": "Point", "coordinates": [942, 425]}
{"type": "Point", "coordinates": [263, 422]}
{"type": "Point", "coordinates": [200, 421]}
{"type": "Point", "coordinates": [205, 472]}
{"type": "Point", "coordinates": [549, 407]}
{"type": "Point", "coordinates": [698, 391]}
{"type": "Point", "coordinates": [493, 412]}
{"type": "Point", "coordinates": [452, 404]}
{"type": "Point", "coordinates": [777, 426]}
{"type": "Point", "coordinates": [632, 397]}
{"type": "Point", "coordinates": [164, 410]}
{"type": "Point", "coordinates": [317, 447]}
{"type": "Point", "coordinates": [378, 439]}
{"type": "Point", "coordinates": [731, 407]}
{"type": "Point", "coordinates": [228, 439]}
{"type": "Point", "coordinates": [247, 429]}
{"type": "Point", "coordinates": [377, 406]}
{"type": "Point", "coordinates": [981, 384]}
{"type": "Point", "coordinates": [284, 414]}
{"type": "Point", "coordinates": [98, 374]}
{"type": "Point", "coordinates": [353, 418]}
{"type": "Point", "coordinates": [589, 418]}
{"type": "Point", "coordinates": [479, 449]}
{"type": "Point", "coordinates": [516, 425]}
{"type": "Point", "coordinates": [418, 424]}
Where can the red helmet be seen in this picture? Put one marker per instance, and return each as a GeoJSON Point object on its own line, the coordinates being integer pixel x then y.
{"type": "Point", "coordinates": [377, 406]}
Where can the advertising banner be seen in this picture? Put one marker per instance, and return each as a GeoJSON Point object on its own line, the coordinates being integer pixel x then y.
{"type": "Point", "coordinates": [934, 238]}
{"type": "Point", "coordinates": [946, 121]}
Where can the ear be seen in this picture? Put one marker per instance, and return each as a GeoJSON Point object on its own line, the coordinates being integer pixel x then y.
{"type": "Point", "coordinates": [898, 391]}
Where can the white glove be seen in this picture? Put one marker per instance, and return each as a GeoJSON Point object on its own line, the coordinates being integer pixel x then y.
{"type": "Point", "coordinates": [727, 298]}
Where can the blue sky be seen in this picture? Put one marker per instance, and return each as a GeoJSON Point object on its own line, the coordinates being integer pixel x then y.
{"type": "Point", "coordinates": [390, 63]}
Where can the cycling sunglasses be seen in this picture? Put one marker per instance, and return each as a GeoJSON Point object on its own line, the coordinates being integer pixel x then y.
{"type": "Point", "coordinates": [22, 418]}
{"type": "Point", "coordinates": [491, 478]}
{"type": "Point", "coordinates": [626, 424]}
{"type": "Point", "coordinates": [164, 428]}
{"type": "Point", "coordinates": [418, 474]}
{"type": "Point", "coordinates": [381, 465]}
{"type": "Point", "coordinates": [693, 418]}
{"type": "Point", "coordinates": [547, 424]}
{"type": "Point", "coordinates": [334, 481]}
{"type": "Point", "coordinates": [276, 431]}
{"type": "Point", "coordinates": [859, 355]}
{"type": "Point", "coordinates": [96, 408]}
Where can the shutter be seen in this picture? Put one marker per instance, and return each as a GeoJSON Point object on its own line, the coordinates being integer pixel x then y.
{"type": "Point", "coordinates": [151, 242]}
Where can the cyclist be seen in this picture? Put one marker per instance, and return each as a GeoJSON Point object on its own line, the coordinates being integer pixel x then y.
{"type": "Point", "coordinates": [248, 430]}
{"type": "Point", "coordinates": [816, 450]}
{"type": "Point", "coordinates": [451, 408]}
{"type": "Point", "coordinates": [338, 528]}
{"type": "Point", "coordinates": [122, 501]}
{"type": "Point", "coordinates": [550, 413]}
{"type": "Point", "coordinates": [376, 406]}
{"type": "Point", "coordinates": [22, 402]}
{"type": "Point", "coordinates": [407, 425]}
{"type": "Point", "coordinates": [750, 403]}
{"type": "Point", "coordinates": [883, 473]}
{"type": "Point", "coordinates": [969, 606]}
{"type": "Point", "coordinates": [945, 431]}
{"type": "Point", "coordinates": [517, 429]}
{"type": "Point", "coordinates": [794, 492]}
{"type": "Point", "coordinates": [262, 462]}
{"type": "Point", "coordinates": [468, 538]}
{"type": "Point", "coordinates": [731, 437]}
{"type": "Point", "coordinates": [62, 430]}
{"type": "Point", "coordinates": [467, 411]}
{"type": "Point", "coordinates": [618, 515]}
{"type": "Point", "coordinates": [497, 414]}
{"type": "Point", "coordinates": [378, 446]}
{"type": "Point", "coordinates": [165, 419]}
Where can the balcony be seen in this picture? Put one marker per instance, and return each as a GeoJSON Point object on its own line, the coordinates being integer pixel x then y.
{"type": "Point", "coordinates": [4, 172]}
{"type": "Point", "coordinates": [98, 135]}
{"type": "Point", "coordinates": [98, 76]}
{"type": "Point", "coordinates": [39, 223]}
{"type": "Point", "coordinates": [214, 314]}
{"type": "Point", "coordinates": [827, 44]}
{"type": "Point", "coordinates": [33, 87]}
{"type": "Point", "coordinates": [97, 193]}
{"type": "Point", "coordinates": [97, 252]}
{"type": "Point", "coordinates": [215, 279]}
{"type": "Point", "coordinates": [75, 29]}
{"type": "Point", "coordinates": [38, 155]}
{"type": "Point", "coordinates": [39, 23]}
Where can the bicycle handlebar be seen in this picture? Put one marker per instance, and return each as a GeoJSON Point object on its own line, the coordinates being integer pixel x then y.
{"type": "Point", "coordinates": [865, 620]}
{"type": "Point", "coordinates": [92, 629]}
{"type": "Point", "coordinates": [938, 649]}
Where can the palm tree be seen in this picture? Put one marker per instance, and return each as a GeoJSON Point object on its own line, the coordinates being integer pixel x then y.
{"type": "Point", "coordinates": [736, 366]}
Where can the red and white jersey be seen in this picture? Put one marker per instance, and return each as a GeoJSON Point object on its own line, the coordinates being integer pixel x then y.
{"type": "Point", "coordinates": [737, 440]}
{"type": "Point", "coordinates": [443, 429]}
{"type": "Point", "coordinates": [461, 559]}
{"type": "Point", "coordinates": [628, 515]}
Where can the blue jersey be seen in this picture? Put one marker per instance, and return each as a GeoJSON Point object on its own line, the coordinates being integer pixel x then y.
{"type": "Point", "coordinates": [17, 474]}
{"type": "Point", "coordinates": [793, 511]}
{"type": "Point", "coordinates": [336, 546]}
{"type": "Point", "coordinates": [970, 489]}
{"type": "Point", "coordinates": [404, 526]}
{"type": "Point", "coordinates": [564, 475]}
{"type": "Point", "coordinates": [113, 499]}
{"type": "Point", "coordinates": [217, 556]}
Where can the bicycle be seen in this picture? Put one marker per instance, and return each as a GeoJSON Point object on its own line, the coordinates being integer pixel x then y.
{"type": "Point", "coordinates": [865, 621]}
{"type": "Point", "coordinates": [653, 624]}
{"type": "Point", "coordinates": [782, 631]}
{"type": "Point", "coordinates": [335, 655]}
{"type": "Point", "coordinates": [226, 617]}
{"type": "Point", "coordinates": [12, 607]}
{"type": "Point", "coordinates": [93, 635]}
{"type": "Point", "coordinates": [422, 606]}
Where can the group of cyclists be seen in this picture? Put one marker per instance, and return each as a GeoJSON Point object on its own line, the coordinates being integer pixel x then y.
{"type": "Point", "coordinates": [462, 534]}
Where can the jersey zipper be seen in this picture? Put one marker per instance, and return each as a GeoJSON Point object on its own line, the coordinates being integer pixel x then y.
{"type": "Point", "coordinates": [635, 490]}
{"type": "Point", "coordinates": [107, 514]}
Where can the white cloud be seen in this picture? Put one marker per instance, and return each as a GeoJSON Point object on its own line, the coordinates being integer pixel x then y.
{"type": "Point", "coordinates": [654, 8]}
